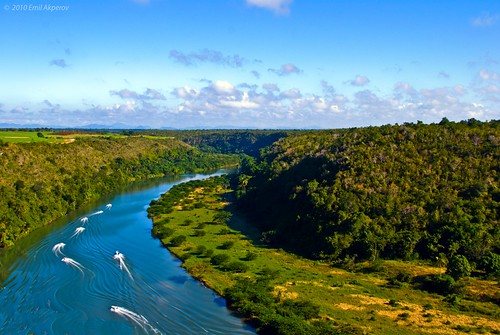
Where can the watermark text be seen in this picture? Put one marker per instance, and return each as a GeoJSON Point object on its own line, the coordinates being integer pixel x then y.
{"type": "Point", "coordinates": [40, 7]}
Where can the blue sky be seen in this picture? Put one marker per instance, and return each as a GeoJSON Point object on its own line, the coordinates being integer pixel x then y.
{"type": "Point", "coordinates": [248, 63]}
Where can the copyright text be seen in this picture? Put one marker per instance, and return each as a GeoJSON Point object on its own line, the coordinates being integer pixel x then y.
{"type": "Point", "coordinates": [36, 8]}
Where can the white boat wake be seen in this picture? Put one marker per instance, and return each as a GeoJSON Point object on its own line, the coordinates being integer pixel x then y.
{"type": "Point", "coordinates": [121, 262]}
{"type": "Point", "coordinates": [78, 231]}
{"type": "Point", "coordinates": [57, 249]}
{"type": "Point", "coordinates": [138, 319]}
{"type": "Point", "coordinates": [73, 263]}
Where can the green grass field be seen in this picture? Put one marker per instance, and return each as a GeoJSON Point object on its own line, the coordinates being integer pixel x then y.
{"type": "Point", "coordinates": [18, 136]}
{"type": "Point", "coordinates": [362, 300]}
{"type": "Point", "coordinates": [24, 136]}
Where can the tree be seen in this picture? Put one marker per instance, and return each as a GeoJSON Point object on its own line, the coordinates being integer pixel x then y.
{"type": "Point", "coordinates": [459, 267]}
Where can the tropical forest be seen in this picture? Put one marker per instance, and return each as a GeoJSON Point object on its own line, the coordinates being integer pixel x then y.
{"type": "Point", "coordinates": [377, 230]}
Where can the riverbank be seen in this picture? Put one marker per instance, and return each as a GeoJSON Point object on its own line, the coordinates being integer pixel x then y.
{"type": "Point", "coordinates": [43, 181]}
{"type": "Point", "coordinates": [197, 223]}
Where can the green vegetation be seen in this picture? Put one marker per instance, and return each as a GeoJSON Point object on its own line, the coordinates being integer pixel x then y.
{"type": "Point", "coordinates": [42, 181]}
{"type": "Point", "coordinates": [387, 230]}
{"type": "Point", "coordinates": [282, 293]}
{"type": "Point", "coordinates": [410, 192]}
{"type": "Point", "coordinates": [247, 142]}
{"type": "Point", "coordinates": [13, 136]}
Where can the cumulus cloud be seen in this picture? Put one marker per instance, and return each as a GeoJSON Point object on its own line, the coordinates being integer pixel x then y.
{"type": "Point", "coordinates": [293, 93]}
{"type": "Point", "coordinates": [486, 85]}
{"type": "Point", "coordinates": [270, 87]}
{"type": "Point", "coordinates": [125, 94]}
{"type": "Point", "coordinates": [359, 80]}
{"type": "Point", "coordinates": [280, 7]}
{"type": "Point", "coordinates": [254, 106]}
{"type": "Point", "coordinates": [58, 62]}
{"type": "Point", "coordinates": [405, 88]}
{"type": "Point", "coordinates": [207, 56]}
{"type": "Point", "coordinates": [286, 69]}
{"type": "Point", "coordinates": [184, 92]}
{"type": "Point", "coordinates": [152, 94]}
{"type": "Point", "coordinates": [149, 94]}
{"type": "Point", "coordinates": [489, 75]}
{"type": "Point", "coordinates": [485, 20]}
{"type": "Point", "coordinates": [222, 103]}
{"type": "Point", "coordinates": [223, 87]}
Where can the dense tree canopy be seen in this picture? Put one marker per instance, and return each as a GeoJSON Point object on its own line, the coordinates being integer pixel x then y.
{"type": "Point", "coordinates": [405, 191]}
{"type": "Point", "coordinates": [228, 141]}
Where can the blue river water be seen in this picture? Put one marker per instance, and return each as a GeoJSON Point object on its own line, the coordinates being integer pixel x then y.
{"type": "Point", "coordinates": [72, 281]}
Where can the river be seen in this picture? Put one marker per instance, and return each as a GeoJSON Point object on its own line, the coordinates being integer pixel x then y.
{"type": "Point", "coordinates": [72, 281]}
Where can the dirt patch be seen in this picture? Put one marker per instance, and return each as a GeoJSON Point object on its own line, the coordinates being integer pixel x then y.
{"type": "Point", "coordinates": [366, 300]}
{"type": "Point", "coordinates": [348, 307]}
{"type": "Point", "coordinates": [434, 322]}
{"type": "Point", "coordinates": [282, 291]}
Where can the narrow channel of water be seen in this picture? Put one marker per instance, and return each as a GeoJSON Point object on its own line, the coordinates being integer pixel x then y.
{"type": "Point", "coordinates": [73, 281]}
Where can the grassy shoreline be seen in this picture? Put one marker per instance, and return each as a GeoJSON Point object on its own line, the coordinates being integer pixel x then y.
{"type": "Point", "coordinates": [196, 222]}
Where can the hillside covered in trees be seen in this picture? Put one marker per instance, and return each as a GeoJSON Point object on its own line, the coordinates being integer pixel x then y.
{"type": "Point", "coordinates": [411, 191]}
{"type": "Point", "coordinates": [43, 181]}
{"type": "Point", "coordinates": [227, 141]}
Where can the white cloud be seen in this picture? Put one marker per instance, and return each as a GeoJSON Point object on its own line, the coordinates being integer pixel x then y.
{"type": "Point", "coordinates": [223, 87]}
{"type": "Point", "coordinates": [207, 56]}
{"type": "Point", "coordinates": [293, 93]}
{"type": "Point", "coordinates": [280, 7]}
{"type": "Point", "coordinates": [286, 69]}
{"type": "Point", "coordinates": [492, 88]}
{"type": "Point", "coordinates": [244, 103]}
{"type": "Point", "coordinates": [359, 80]}
{"type": "Point", "coordinates": [184, 92]}
{"type": "Point", "coordinates": [270, 87]}
{"type": "Point", "coordinates": [149, 94]}
{"type": "Point", "coordinates": [485, 20]}
{"type": "Point", "coordinates": [125, 94]}
{"type": "Point", "coordinates": [488, 75]}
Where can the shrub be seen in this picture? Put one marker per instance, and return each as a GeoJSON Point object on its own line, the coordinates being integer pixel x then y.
{"type": "Point", "coordinates": [209, 253]}
{"type": "Point", "coordinates": [219, 259]}
{"type": "Point", "coordinates": [224, 231]}
{"type": "Point", "coordinates": [285, 326]}
{"type": "Point", "coordinates": [187, 222]}
{"type": "Point", "coordinates": [227, 245]}
{"type": "Point", "coordinates": [459, 267]}
{"type": "Point", "coordinates": [185, 256]}
{"type": "Point", "coordinates": [403, 277]}
{"type": "Point", "coordinates": [250, 256]}
{"type": "Point", "coordinates": [178, 240]}
{"type": "Point", "coordinates": [491, 264]}
{"type": "Point", "coordinates": [440, 284]}
{"type": "Point", "coordinates": [162, 231]}
{"type": "Point", "coordinates": [303, 308]}
{"type": "Point", "coordinates": [200, 233]}
{"type": "Point", "coordinates": [201, 225]}
{"type": "Point", "coordinates": [201, 249]}
{"type": "Point", "coordinates": [235, 266]}
{"type": "Point", "coordinates": [393, 303]}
